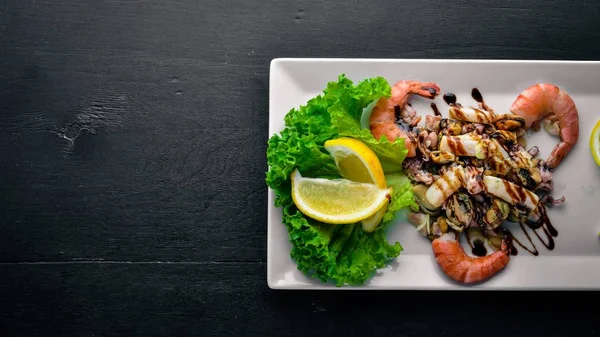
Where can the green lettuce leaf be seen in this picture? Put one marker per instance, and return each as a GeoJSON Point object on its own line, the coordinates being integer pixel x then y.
{"type": "Point", "coordinates": [293, 150]}
{"type": "Point", "coordinates": [402, 195]}
{"type": "Point", "coordinates": [343, 254]}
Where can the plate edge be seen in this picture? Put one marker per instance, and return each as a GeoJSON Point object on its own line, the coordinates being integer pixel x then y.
{"type": "Point", "coordinates": [278, 60]}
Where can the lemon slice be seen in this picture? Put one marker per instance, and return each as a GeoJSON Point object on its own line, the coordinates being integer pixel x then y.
{"type": "Point", "coordinates": [595, 143]}
{"type": "Point", "coordinates": [357, 162]}
{"type": "Point", "coordinates": [337, 201]}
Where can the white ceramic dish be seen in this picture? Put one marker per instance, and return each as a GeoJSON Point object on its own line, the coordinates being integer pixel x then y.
{"type": "Point", "coordinates": [574, 264]}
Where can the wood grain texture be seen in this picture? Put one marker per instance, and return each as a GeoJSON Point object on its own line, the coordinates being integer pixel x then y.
{"type": "Point", "coordinates": [228, 299]}
{"type": "Point", "coordinates": [136, 130]}
{"type": "Point", "coordinates": [133, 138]}
{"type": "Point", "coordinates": [120, 145]}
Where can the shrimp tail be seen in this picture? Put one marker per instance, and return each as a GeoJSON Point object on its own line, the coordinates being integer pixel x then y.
{"type": "Point", "coordinates": [427, 89]}
{"type": "Point", "coordinates": [559, 152]}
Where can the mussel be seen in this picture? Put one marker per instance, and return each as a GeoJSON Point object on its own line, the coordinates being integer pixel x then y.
{"type": "Point", "coordinates": [442, 157]}
{"type": "Point", "coordinates": [459, 211]}
{"type": "Point", "coordinates": [528, 178]}
{"type": "Point", "coordinates": [520, 213]}
{"type": "Point", "coordinates": [419, 191]}
{"type": "Point", "coordinates": [509, 122]}
{"type": "Point", "coordinates": [505, 138]}
{"type": "Point", "coordinates": [496, 213]}
{"type": "Point", "coordinates": [450, 127]}
{"type": "Point", "coordinates": [438, 228]}
{"type": "Point", "coordinates": [442, 224]}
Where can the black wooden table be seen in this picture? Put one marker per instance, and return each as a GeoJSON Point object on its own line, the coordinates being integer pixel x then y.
{"type": "Point", "coordinates": [133, 138]}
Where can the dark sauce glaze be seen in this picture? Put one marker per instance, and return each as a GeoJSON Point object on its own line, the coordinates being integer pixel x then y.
{"type": "Point", "coordinates": [436, 111]}
{"type": "Point", "coordinates": [456, 146]}
{"type": "Point", "coordinates": [477, 95]}
{"type": "Point", "coordinates": [450, 98]}
{"type": "Point", "coordinates": [477, 246]}
{"type": "Point", "coordinates": [479, 98]}
{"type": "Point", "coordinates": [397, 113]}
{"type": "Point", "coordinates": [512, 240]}
{"type": "Point", "coordinates": [548, 231]}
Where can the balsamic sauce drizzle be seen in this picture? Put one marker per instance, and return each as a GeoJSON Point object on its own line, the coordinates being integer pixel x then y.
{"type": "Point", "coordinates": [477, 246]}
{"type": "Point", "coordinates": [477, 95]}
{"type": "Point", "coordinates": [545, 224]}
{"type": "Point", "coordinates": [436, 111]}
{"type": "Point", "coordinates": [397, 113]}
{"type": "Point", "coordinates": [479, 98]}
{"type": "Point", "coordinates": [450, 98]}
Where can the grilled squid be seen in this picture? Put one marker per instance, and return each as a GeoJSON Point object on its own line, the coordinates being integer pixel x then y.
{"type": "Point", "coordinates": [473, 115]}
{"type": "Point", "coordinates": [465, 145]}
{"type": "Point", "coordinates": [499, 160]}
{"type": "Point", "coordinates": [445, 186]}
{"type": "Point", "coordinates": [510, 122]}
{"type": "Point", "coordinates": [510, 192]}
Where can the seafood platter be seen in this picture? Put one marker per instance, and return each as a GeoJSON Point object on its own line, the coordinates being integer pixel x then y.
{"type": "Point", "coordinates": [433, 174]}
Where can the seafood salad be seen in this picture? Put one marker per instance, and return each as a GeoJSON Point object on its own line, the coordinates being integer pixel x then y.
{"type": "Point", "coordinates": [473, 171]}
{"type": "Point", "coordinates": [352, 157]}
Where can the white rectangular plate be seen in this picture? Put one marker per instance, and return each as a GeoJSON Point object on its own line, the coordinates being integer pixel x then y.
{"type": "Point", "coordinates": [574, 264]}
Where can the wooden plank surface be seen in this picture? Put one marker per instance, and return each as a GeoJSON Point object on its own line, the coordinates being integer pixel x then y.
{"type": "Point", "coordinates": [231, 299]}
{"type": "Point", "coordinates": [133, 138]}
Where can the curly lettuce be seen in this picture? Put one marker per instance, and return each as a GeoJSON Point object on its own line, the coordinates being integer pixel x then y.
{"type": "Point", "coordinates": [342, 254]}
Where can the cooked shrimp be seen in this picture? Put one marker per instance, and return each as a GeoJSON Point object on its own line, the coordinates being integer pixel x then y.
{"type": "Point", "coordinates": [466, 269]}
{"type": "Point", "coordinates": [383, 116]}
{"type": "Point", "coordinates": [547, 101]}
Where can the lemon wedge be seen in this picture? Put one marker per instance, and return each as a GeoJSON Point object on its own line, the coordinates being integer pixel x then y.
{"type": "Point", "coordinates": [369, 224]}
{"type": "Point", "coordinates": [337, 201]}
{"type": "Point", "coordinates": [595, 143]}
{"type": "Point", "coordinates": [357, 162]}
